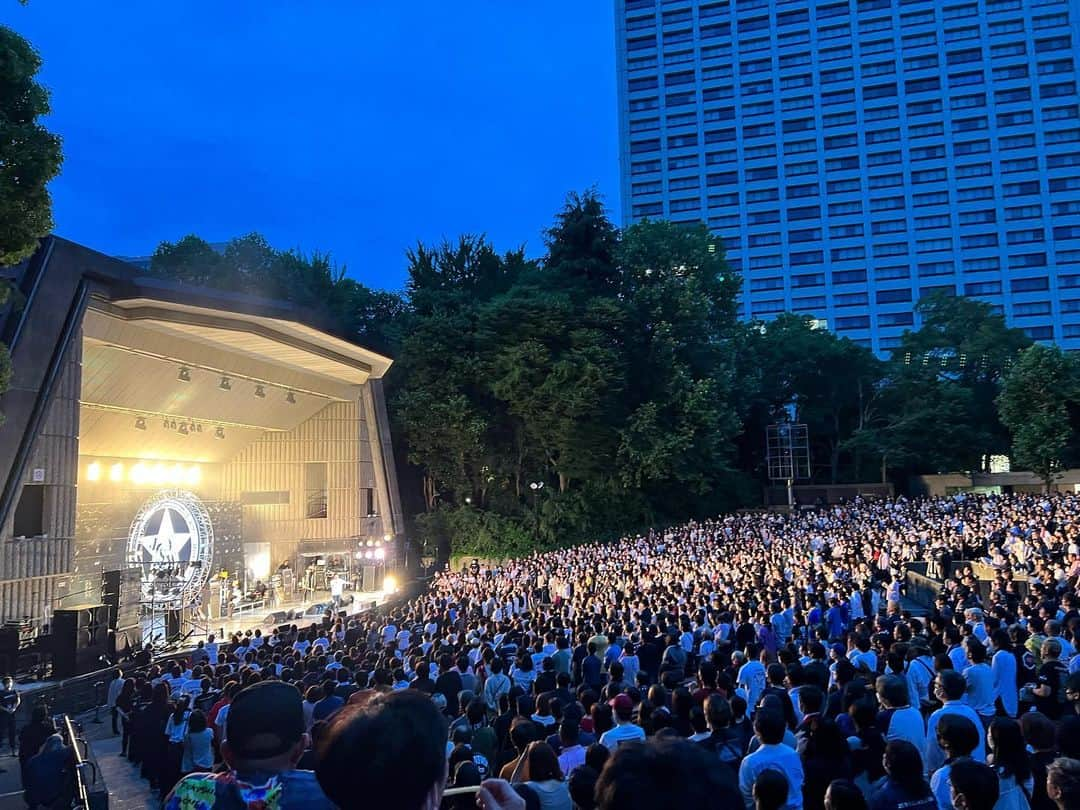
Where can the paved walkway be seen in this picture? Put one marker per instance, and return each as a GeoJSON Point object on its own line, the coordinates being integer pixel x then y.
{"type": "Point", "coordinates": [127, 791]}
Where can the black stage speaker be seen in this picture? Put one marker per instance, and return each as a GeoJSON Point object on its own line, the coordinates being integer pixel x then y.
{"type": "Point", "coordinates": [120, 593]}
{"type": "Point", "coordinates": [172, 625]}
{"type": "Point", "coordinates": [80, 639]}
{"type": "Point", "coordinates": [373, 577]}
{"type": "Point", "coordinates": [9, 649]}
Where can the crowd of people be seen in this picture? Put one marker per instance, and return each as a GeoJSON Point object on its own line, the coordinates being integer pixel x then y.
{"type": "Point", "coordinates": [756, 660]}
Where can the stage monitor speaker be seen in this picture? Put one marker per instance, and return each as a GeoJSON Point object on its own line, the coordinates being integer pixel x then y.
{"type": "Point", "coordinates": [80, 637]}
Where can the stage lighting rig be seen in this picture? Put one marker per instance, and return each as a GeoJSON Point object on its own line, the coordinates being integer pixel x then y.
{"type": "Point", "coordinates": [184, 375]}
{"type": "Point", "coordinates": [225, 384]}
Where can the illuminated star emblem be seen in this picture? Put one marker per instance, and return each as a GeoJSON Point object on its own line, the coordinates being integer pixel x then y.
{"type": "Point", "coordinates": [166, 545]}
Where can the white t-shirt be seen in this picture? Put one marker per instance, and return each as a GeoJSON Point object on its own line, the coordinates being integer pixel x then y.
{"type": "Point", "coordinates": [623, 732]}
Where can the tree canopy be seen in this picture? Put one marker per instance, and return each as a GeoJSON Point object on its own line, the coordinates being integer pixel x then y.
{"type": "Point", "coordinates": [608, 384]}
{"type": "Point", "coordinates": [29, 154]}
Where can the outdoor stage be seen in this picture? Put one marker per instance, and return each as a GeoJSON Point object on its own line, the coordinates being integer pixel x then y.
{"type": "Point", "coordinates": [167, 446]}
{"type": "Point", "coordinates": [298, 612]}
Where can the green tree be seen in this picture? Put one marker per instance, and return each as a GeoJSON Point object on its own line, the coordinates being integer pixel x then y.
{"type": "Point", "coordinates": [814, 377]}
{"type": "Point", "coordinates": [442, 360]}
{"type": "Point", "coordinates": [29, 154]}
{"type": "Point", "coordinates": [1034, 406]}
{"type": "Point", "coordinates": [248, 264]}
{"type": "Point", "coordinates": [679, 295]}
{"type": "Point", "coordinates": [917, 423]}
{"type": "Point", "coordinates": [962, 340]}
{"type": "Point", "coordinates": [190, 260]}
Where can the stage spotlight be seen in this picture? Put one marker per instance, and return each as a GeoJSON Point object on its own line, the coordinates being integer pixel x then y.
{"type": "Point", "coordinates": [184, 375]}
{"type": "Point", "coordinates": [387, 538]}
{"type": "Point", "coordinates": [219, 433]}
{"type": "Point", "coordinates": [367, 555]}
{"type": "Point", "coordinates": [93, 472]}
{"type": "Point", "coordinates": [380, 553]}
{"type": "Point", "coordinates": [290, 397]}
{"type": "Point", "coordinates": [172, 424]}
{"type": "Point", "coordinates": [260, 392]}
{"type": "Point", "coordinates": [225, 384]}
{"type": "Point", "coordinates": [198, 428]}
{"type": "Point", "coordinates": [138, 473]}
{"type": "Point", "coordinates": [390, 584]}
{"type": "Point", "coordinates": [183, 429]}
{"type": "Point", "coordinates": [116, 472]}
{"type": "Point", "coordinates": [140, 423]}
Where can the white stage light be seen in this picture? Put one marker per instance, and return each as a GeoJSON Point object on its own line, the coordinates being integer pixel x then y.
{"type": "Point", "coordinates": [390, 584]}
{"type": "Point", "coordinates": [380, 553]}
{"type": "Point", "coordinates": [116, 472]}
{"type": "Point", "coordinates": [93, 472]}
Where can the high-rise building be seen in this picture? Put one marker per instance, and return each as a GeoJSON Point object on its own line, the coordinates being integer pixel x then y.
{"type": "Point", "coordinates": [854, 156]}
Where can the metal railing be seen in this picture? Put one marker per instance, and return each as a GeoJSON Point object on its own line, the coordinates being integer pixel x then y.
{"type": "Point", "coordinates": [86, 773]}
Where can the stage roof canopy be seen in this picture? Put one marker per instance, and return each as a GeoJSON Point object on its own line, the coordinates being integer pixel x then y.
{"type": "Point", "coordinates": [232, 375]}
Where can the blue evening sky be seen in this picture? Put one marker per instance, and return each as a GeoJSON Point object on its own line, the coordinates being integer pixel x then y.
{"type": "Point", "coordinates": [355, 128]}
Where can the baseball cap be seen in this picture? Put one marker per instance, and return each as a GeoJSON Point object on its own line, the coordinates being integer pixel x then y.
{"type": "Point", "coordinates": [265, 720]}
{"type": "Point", "coordinates": [621, 703]}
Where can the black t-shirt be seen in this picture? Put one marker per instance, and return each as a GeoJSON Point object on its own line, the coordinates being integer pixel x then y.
{"type": "Point", "coordinates": [9, 698]}
{"type": "Point", "coordinates": [423, 684]}
{"type": "Point", "coordinates": [545, 682]}
{"type": "Point", "coordinates": [449, 684]}
{"type": "Point", "coordinates": [1052, 674]}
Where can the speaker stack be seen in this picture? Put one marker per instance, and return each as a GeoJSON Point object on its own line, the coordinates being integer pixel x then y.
{"type": "Point", "coordinates": [120, 593]}
{"type": "Point", "coordinates": [373, 578]}
{"type": "Point", "coordinates": [80, 639]}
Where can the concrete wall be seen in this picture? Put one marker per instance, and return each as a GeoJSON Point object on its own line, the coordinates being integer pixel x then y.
{"type": "Point", "coordinates": [1018, 481]}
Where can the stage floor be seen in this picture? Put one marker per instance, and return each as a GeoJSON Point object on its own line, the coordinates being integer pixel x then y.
{"type": "Point", "coordinates": [297, 611]}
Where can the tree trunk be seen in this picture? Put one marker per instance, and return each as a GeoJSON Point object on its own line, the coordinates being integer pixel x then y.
{"type": "Point", "coordinates": [429, 493]}
{"type": "Point", "coordinates": [564, 482]}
